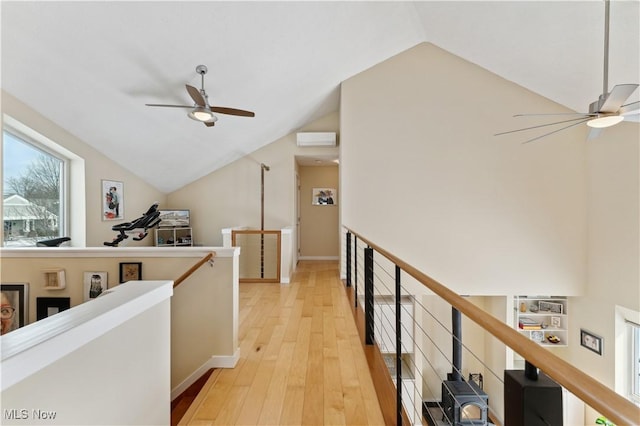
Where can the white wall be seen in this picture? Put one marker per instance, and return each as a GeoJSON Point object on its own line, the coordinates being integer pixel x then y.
{"type": "Point", "coordinates": [103, 362]}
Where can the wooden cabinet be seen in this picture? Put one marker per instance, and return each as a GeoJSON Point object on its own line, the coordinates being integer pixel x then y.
{"type": "Point", "coordinates": [543, 319]}
{"type": "Point", "coordinates": [173, 237]}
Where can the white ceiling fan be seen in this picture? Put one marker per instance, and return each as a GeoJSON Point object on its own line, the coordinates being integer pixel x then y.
{"type": "Point", "coordinates": [607, 111]}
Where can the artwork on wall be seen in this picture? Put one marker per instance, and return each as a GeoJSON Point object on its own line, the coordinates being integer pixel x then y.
{"type": "Point", "coordinates": [591, 341]}
{"type": "Point", "coordinates": [47, 306]}
{"type": "Point", "coordinates": [14, 306]}
{"type": "Point", "coordinates": [95, 283]}
{"type": "Point", "coordinates": [112, 200]}
{"type": "Point", "coordinates": [130, 271]}
{"type": "Point", "coordinates": [324, 197]}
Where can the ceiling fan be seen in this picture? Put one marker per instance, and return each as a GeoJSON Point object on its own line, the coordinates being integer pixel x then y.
{"type": "Point", "coordinates": [605, 112]}
{"type": "Point", "coordinates": [201, 110]}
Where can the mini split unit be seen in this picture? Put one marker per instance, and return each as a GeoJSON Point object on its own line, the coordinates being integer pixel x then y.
{"type": "Point", "coordinates": [326, 139]}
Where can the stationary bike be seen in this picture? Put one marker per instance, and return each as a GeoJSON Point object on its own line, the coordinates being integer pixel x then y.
{"type": "Point", "coordinates": [139, 227]}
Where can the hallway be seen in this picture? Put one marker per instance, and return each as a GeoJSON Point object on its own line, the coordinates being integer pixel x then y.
{"type": "Point", "coordinates": [301, 360]}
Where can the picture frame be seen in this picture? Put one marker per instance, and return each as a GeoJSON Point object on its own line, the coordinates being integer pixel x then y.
{"type": "Point", "coordinates": [556, 308]}
{"type": "Point", "coordinates": [556, 322]}
{"type": "Point", "coordinates": [591, 341]}
{"type": "Point", "coordinates": [112, 197]}
{"type": "Point", "coordinates": [130, 271]}
{"type": "Point", "coordinates": [324, 197]}
{"type": "Point", "coordinates": [47, 306]}
{"type": "Point", "coordinates": [174, 218]}
{"type": "Point", "coordinates": [95, 283]}
{"type": "Point", "coordinates": [15, 297]}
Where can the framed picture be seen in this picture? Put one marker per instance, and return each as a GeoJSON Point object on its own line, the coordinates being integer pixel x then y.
{"type": "Point", "coordinates": [591, 341]}
{"type": "Point", "coordinates": [174, 218]}
{"type": "Point", "coordinates": [324, 197]}
{"type": "Point", "coordinates": [112, 200]}
{"type": "Point", "coordinates": [130, 271]}
{"type": "Point", "coordinates": [47, 306]}
{"type": "Point", "coordinates": [556, 322]}
{"type": "Point", "coordinates": [14, 307]}
{"type": "Point", "coordinates": [537, 335]}
{"type": "Point", "coordinates": [95, 283]}
{"type": "Point", "coordinates": [553, 307]}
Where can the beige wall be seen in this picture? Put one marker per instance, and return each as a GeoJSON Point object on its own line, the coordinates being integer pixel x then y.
{"type": "Point", "coordinates": [230, 196]}
{"type": "Point", "coordinates": [429, 181]}
{"type": "Point", "coordinates": [489, 215]}
{"type": "Point", "coordinates": [138, 195]}
{"type": "Point", "coordinates": [319, 225]}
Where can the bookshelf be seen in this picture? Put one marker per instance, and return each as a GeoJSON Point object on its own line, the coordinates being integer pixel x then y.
{"type": "Point", "coordinates": [543, 319]}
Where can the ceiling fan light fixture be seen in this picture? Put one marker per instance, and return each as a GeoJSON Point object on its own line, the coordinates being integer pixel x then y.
{"type": "Point", "coordinates": [202, 114]}
{"type": "Point", "coordinates": [605, 121]}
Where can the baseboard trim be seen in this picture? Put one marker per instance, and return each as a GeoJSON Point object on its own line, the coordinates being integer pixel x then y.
{"type": "Point", "coordinates": [215, 361]}
{"type": "Point", "coordinates": [318, 257]}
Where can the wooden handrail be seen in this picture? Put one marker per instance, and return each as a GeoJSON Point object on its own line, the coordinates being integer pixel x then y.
{"type": "Point", "coordinates": [604, 400]}
{"type": "Point", "coordinates": [194, 268]}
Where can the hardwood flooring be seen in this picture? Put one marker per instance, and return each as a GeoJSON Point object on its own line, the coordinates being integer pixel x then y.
{"type": "Point", "coordinates": [302, 361]}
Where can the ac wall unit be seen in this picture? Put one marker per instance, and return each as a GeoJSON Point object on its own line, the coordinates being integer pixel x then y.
{"type": "Point", "coordinates": [316, 139]}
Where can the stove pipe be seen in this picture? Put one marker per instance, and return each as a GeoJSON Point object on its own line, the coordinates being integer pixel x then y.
{"type": "Point", "coordinates": [456, 326]}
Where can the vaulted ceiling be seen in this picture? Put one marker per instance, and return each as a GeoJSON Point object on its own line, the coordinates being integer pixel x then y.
{"type": "Point", "coordinates": [91, 67]}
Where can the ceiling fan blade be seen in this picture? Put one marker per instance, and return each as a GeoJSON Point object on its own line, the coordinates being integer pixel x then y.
{"type": "Point", "coordinates": [196, 96]}
{"type": "Point", "coordinates": [632, 108]}
{"type": "Point", "coordinates": [556, 113]}
{"type": "Point", "coordinates": [232, 111]}
{"type": "Point", "coordinates": [209, 123]}
{"type": "Point", "coordinates": [169, 106]}
{"type": "Point", "coordinates": [617, 96]}
{"type": "Point", "coordinates": [583, 118]}
{"type": "Point", "coordinates": [556, 131]}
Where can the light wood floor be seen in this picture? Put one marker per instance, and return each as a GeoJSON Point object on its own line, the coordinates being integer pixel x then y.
{"type": "Point", "coordinates": [301, 362]}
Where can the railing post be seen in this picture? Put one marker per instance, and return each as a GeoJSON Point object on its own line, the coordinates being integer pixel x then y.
{"type": "Point", "coordinates": [355, 269]}
{"type": "Point", "coordinates": [368, 295]}
{"type": "Point", "coordinates": [348, 259]}
{"type": "Point", "coordinates": [398, 348]}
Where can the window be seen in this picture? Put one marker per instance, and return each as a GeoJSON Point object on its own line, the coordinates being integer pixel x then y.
{"type": "Point", "coordinates": [635, 361]}
{"type": "Point", "coordinates": [33, 190]}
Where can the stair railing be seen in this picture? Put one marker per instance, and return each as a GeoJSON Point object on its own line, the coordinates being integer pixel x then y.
{"type": "Point", "coordinates": [600, 397]}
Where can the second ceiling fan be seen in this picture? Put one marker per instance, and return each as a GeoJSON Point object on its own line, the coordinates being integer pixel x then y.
{"type": "Point", "coordinates": [607, 111]}
{"type": "Point", "coordinates": [201, 110]}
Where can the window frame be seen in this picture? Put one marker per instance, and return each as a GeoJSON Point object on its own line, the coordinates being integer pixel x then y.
{"type": "Point", "coordinates": [634, 361]}
{"type": "Point", "coordinates": [46, 146]}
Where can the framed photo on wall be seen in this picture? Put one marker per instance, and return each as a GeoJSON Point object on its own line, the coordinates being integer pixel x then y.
{"type": "Point", "coordinates": [95, 283]}
{"type": "Point", "coordinates": [324, 197]}
{"type": "Point", "coordinates": [130, 271]}
{"type": "Point", "coordinates": [591, 341]}
{"type": "Point", "coordinates": [47, 306]}
{"type": "Point", "coordinates": [112, 200]}
{"type": "Point", "coordinates": [14, 307]}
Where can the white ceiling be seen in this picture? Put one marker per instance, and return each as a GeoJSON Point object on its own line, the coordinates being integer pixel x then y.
{"type": "Point", "coordinates": [91, 66]}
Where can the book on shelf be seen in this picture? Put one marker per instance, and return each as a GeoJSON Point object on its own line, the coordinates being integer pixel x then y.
{"type": "Point", "coordinates": [529, 324]}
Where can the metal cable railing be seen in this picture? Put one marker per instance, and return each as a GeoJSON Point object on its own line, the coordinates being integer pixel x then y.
{"type": "Point", "coordinates": [395, 296]}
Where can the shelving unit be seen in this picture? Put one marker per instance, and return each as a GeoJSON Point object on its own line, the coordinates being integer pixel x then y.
{"type": "Point", "coordinates": [173, 237]}
{"type": "Point", "coordinates": [539, 317]}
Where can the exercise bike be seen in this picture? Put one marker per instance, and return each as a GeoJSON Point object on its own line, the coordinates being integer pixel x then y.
{"type": "Point", "coordinates": [139, 227]}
